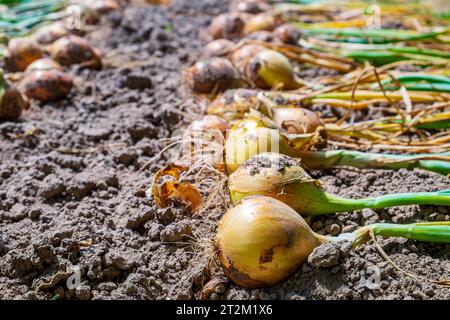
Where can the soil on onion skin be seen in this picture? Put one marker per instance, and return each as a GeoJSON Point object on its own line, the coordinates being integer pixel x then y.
{"type": "Point", "coordinates": [71, 193]}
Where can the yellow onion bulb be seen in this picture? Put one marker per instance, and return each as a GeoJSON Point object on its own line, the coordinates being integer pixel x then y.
{"type": "Point", "coordinates": [262, 241]}
{"type": "Point", "coordinates": [46, 85]}
{"type": "Point", "coordinates": [251, 137]}
{"type": "Point", "coordinates": [12, 103]}
{"type": "Point", "coordinates": [21, 52]}
{"type": "Point", "coordinates": [217, 48]}
{"type": "Point", "coordinates": [233, 104]}
{"type": "Point", "coordinates": [260, 22]}
{"type": "Point", "coordinates": [43, 64]}
{"type": "Point", "coordinates": [270, 69]}
{"type": "Point", "coordinates": [287, 33]}
{"type": "Point", "coordinates": [214, 75]}
{"type": "Point", "coordinates": [227, 26]}
{"type": "Point", "coordinates": [50, 33]}
{"type": "Point", "coordinates": [75, 50]}
{"type": "Point", "coordinates": [296, 120]}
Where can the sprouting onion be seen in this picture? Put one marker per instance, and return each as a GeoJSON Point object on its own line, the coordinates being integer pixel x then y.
{"type": "Point", "coordinates": [283, 178]}
{"type": "Point", "coordinates": [253, 136]}
{"type": "Point", "coordinates": [261, 241]}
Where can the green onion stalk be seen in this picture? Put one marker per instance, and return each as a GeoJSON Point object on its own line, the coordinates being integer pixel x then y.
{"type": "Point", "coordinates": [261, 241]}
{"type": "Point", "coordinates": [253, 136]}
{"type": "Point", "coordinates": [283, 178]}
{"type": "Point", "coordinates": [377, 36]}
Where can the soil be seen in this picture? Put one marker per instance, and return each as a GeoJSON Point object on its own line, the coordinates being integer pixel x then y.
{"type": "Point", "coordinates": [72, 194]}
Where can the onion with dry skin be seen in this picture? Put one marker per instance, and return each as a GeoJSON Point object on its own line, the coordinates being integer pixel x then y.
{"type": "Point", "coordinates": [50, 33]}
{"type": "Point", "coordinates": [261, 22]}
{"type": "Point", "coordinates": [46, 85]}
{"type": "Point", "coordinates": [214, 75]}
{"type": "Point", "coordinates": [43, 64]}
{"type": "Point", "coordinates": [75, 50]}
{"type": "Point", "coordinates": [12, 103]}
{"type": "Point", "coordinates": [288, 34]}
{"type": "Point", "coordinates": [21, 52]}
{"type": "Point", "coordinates": [227, 26]}
{"type": "Point", "coordinates": [296, 120]}
{"type": "Point", "coordinates": [217, 48]}
{"type": "Point", "coordinates": [261, 242]}
{"type": "Point", "coordinates": [209, 123]}
{"type": "Point", "coordinates": [270, 69]}
{"type": "Point", "coordinates": [266, 68]}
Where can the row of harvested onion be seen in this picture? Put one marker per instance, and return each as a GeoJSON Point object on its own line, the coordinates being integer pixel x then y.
{"type": "Point", "coordinates": [38, 62]}
{"type": "Point", "coordinates": [263, 239]}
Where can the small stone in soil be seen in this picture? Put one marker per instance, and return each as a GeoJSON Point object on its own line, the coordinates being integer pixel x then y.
{"type": "Point", "coordinates": [324, 256]}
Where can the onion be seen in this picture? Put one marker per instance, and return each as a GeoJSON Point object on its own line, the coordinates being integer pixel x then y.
{"type": "Point", "coordinates": [43, 64]}
{"type": "Point", "coordinates": [260, 22]}
{"type": "Point", "coordinates": [214, 75]}
{"type": "Point", "coordinates": [233, 104]}
{"type": "Point", "coordinates": [261, 242]}
{"type": "Point", "coordinates": [269, 69]}
{"type": "Point", "coordinates": [21, 52]}
{"type": "Point", "coordinates": [50, 33]}
{"type": "Point", "coordinates": [75, 50]}
{"type": "Point", "coordinates": [282, 177]}
{"type": "Point", "coordinates": [287, 34]}
{"type": "Point", "coordinates": [296, 120]}
{"type": "Point", "coordinates": [46, 85]}
{"type": "Point", "coordinates": [12, 103]}
{"type": "Point", "coordinates": [217, 48]}
{"type": "Point", "coordinates": [252, 6]}
{"type": "Point", "coordinates": [227, 26]}
{"type": "Point", "coordinates": [240, 58]}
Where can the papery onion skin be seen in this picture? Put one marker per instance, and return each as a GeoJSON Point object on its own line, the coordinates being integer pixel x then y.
{"type": "Point", "coordinates": [241, 57]}
{"type": "Point", "coordinates": [233, 104]}
{"type": "Point", "coordinates": [75, 50]}
{"type": "Point", "coordinates": [21, 52]}
{"type": "Point", "coordinates": [217, 48]}
{"type": "Point", "coordinates": [263, 35]}
{"type": "Point", "coordinates": [261, 242]}
{"type": "Point", "coordinates": [43, 64]}
{"type": "Point", "coordinates": [46, 85]}
{"type": "Point", "coordinates": [214, 75]}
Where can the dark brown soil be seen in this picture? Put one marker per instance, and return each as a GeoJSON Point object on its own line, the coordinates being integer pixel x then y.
{"type": "Point", "coordinates": [72, 195]}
